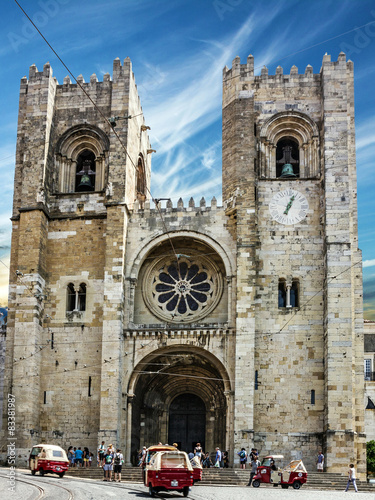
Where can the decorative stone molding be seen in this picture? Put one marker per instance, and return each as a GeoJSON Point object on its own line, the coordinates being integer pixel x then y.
{"type": "Point", "coordinates": [290, 125]}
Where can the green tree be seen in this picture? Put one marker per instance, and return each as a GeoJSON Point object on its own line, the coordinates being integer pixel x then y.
{"type": "Point", "coordinates": [370, 447]}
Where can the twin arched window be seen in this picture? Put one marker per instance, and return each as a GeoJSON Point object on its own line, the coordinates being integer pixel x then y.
{"type": "Point", "coordinates": [288, 295]}
{"type": "Point", "coordinates": [76, 297]}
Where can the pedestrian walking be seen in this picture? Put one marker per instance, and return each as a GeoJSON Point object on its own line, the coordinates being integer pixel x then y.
{"type": "Point", "coordinates": [351, 478]}
{"type": "Point", "coordinates": [218, 458]}
{"type": "Point", "coordinates": [118, 461]}
{"type": "Point", "coordinates": [254, 465]}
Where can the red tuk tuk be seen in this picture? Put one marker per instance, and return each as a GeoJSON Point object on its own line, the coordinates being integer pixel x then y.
{"type": "Point", "coordinates": [48, 458]}
{"type": "Point", "coordinates": [197, 469]}
{"type": "Point", "coordinates": [293, 475]}
{"type": "Point", "coordinates": [168, 470]}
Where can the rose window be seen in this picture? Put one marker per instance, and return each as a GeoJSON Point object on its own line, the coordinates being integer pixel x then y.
{"type": "Point", "coordinates": [183, 291]}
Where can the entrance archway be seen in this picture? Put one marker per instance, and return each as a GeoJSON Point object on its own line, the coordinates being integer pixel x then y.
{"type": "Point", "coordinates": [187, 422]}
{"type": "Point", "coordinates": [178, 394]}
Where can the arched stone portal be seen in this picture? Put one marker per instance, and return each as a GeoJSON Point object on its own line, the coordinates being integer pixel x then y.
{"type": "Point", "coordinates": [181, 388]}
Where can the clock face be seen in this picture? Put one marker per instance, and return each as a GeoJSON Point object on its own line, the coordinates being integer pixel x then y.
{"type": "Point", "coordinates": [288, 207]}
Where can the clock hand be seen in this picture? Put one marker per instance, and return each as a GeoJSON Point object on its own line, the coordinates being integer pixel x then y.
{"type": "Point", "coordinates": [289, 205]}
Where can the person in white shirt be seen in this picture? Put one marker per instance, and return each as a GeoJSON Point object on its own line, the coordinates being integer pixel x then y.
{"type": "Point", "coordinates": [351, 478]}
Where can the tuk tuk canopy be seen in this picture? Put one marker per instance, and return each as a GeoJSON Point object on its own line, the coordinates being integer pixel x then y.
{"type": "Point", "coordinates": [170, 460]}
{"type": "Point", "coordinates": [49, 452]}
{"type": "Point", "coordinates": [295, 466]}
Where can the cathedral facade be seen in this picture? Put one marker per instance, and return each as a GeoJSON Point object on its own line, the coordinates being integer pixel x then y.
{"type": "Point", "coordinates": [133, 320]}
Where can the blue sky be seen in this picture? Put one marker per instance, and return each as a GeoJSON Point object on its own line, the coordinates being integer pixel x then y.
{"type": "Point", "coordinates": [178, 49]}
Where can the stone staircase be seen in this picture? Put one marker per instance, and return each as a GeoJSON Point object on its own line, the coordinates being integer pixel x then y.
{"type": "Point", "coordinates": [231, 477]}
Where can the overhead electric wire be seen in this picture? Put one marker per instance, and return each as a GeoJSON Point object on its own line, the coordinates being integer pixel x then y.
{"type": "Point", "coordinates": [105, 119]}
{"type": "Point", "coordinates": [154, 200]}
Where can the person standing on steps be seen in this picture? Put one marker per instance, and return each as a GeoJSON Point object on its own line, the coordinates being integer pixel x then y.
{"type": "Point", "coordinates": [243, 458]}
{"type": "Point", "coordinates": [320, 462]}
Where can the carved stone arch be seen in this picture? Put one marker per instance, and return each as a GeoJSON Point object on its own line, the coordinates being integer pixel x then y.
{"type": "Point", "coordinates": [197, 351]}
{"type": "Point", "coordinates": [187, 370]}
{"type": "Point", "coordinates": [73, 143]}
{"type": "Point", "coordinates": [297, 127]}
{"type": "Point", "coordinates": [154, 241]}
{"type": "Point", "coordinates": [193, 288]}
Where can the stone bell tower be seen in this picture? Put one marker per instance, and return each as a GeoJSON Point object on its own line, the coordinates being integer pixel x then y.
{"type": "Point", "coordinates": [74, 183]}
{"type": "Point", "coordinates": [289, 190]}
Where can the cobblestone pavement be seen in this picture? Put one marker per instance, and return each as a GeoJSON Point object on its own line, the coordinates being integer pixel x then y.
{"type": "Point", "coordinates": [53, 488]}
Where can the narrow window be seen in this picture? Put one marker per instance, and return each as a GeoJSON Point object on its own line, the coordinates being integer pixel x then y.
{"type": "Point", "coordinates": [70, 298]}
{"type": "Point", "coordinates": [89, 386]}
{"type": "Point", "coordinates": [256, 380]}
{"type": "Point", "coordinates": [282, 293]}
{"type": "Point", "coordinates": [141, 180]}
{"type": "Point", "coordinates": [368, 369]}
{"type": "Point", "coordinates": [294, 294]}
{"type": "Point", "coordinates": [45, 397]}
{"type": "Point", "coordinates": [312, 396]}
{"type": "Point", "coordinates": [81, 306]}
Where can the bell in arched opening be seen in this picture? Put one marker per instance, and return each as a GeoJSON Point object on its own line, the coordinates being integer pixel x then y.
{"type": "Point", "coordinates": [287, 158]}
{"type": "Point", "coordinates": [86, 177]}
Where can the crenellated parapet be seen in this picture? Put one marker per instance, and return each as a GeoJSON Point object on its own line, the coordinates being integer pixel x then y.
{"type": "Point", "coordinates": [245, 78]}
{"type": "Point", "coordinates": [167, 206]}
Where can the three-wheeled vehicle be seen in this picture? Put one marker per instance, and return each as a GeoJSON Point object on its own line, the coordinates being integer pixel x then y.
{"type": "Point", "coordinates": [294, 474]}
{"type": "Point", "coordinates": [47, 458]}
{"type": "Point", "coordinates": [197, 469]}
{"type": "Point", "coordinates": [168, 470]}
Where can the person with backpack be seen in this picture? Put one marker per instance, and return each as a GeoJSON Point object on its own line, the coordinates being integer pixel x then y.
{"type": "Point", "coordinates": [243, 458]}
{"type": "Point", "coordinates": [118, 460]}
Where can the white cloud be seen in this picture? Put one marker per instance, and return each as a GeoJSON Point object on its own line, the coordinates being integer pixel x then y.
{"type": "Point", "coordinates": [368, 263]}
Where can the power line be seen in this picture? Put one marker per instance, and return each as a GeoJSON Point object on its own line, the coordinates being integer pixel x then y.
{"type": "Point", "coordinates": [105, 119]}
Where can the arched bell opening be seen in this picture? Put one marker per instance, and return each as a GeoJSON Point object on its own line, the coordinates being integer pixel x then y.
{"type": "Point", "coordinates": [179, 396]}
{"type": "Point", "coordinates": [287, 158]}
{"type": "Point", "coordinates": [85, 172]}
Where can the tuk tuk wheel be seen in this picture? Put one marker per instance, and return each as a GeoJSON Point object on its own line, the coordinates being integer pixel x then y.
{"type": "Point", "coordinates": [256, 483]}
{"type": "Point", "coordinates": [297, 485]}
{"type": "Point", "coordinates": [41, 472]}
{"type": "Point", "coordinates": [185, 491]}
{"type": "Point", "coordinates": [61, 474]}
{"type": "Point", "coordinates": [151, 491]}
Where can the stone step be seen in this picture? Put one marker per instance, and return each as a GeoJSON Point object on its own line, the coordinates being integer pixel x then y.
{"type": "Point", "coordinates": [231, 477]}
